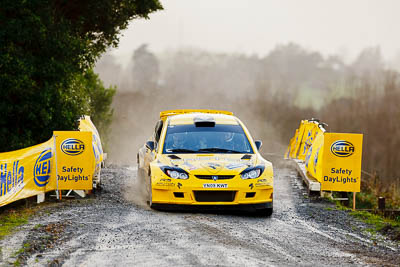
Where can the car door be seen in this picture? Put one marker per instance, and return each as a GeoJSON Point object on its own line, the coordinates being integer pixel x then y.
{"type": "Point", "coordinates": [150, 155]}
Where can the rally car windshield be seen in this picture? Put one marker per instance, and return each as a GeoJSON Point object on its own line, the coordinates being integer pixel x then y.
{"type": "Point", "coordinates": [216, 139]}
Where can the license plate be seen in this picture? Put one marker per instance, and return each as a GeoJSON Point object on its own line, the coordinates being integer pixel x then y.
{"type": "Point", "coordinates": [215, 185]}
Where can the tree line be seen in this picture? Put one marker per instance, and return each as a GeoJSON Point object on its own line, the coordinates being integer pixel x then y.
{"type": "Point", "coordinates": [47, 51]}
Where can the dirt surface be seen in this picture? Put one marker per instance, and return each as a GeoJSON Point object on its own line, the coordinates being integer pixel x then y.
{"type": "Point", "coordinates": [116, 228]}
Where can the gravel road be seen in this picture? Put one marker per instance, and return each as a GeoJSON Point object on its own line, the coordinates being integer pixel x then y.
{"type": "Point", "coordinates": [116, 228]}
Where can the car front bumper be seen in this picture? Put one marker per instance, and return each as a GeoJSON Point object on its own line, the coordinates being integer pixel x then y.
{"type": "Point", "coordinates": [220, 207]}
{"type": "Point", "coordinates": [239, 192]}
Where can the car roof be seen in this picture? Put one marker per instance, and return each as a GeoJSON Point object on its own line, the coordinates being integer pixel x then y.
{"type": "Point", "coordinates": [166, 113]}
{"type": "Point", "coordinates": [189, 118]}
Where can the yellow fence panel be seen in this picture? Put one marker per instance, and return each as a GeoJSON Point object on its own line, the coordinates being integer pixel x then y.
{"type": "Point", "coordinates": [342, 162]}
{"type": "Point", "coordinates": [333, 159]}
{"type": "Point", "coordinates": [32, 171]}
{"type": "Point", "coordinates": [75, 160]}
{"type": "Point", "coordinates": [290, 147]}
{"type": "Point", "coordinates": [299, 137]}
{"type": "Point", "coordinates": [310, 131]}
{"type": "Point", "coordinates": [314, 157]}
{"type": "Point", "coordinates": [86, 125]}
{"type": "Point", "coordinates": [26, 172]}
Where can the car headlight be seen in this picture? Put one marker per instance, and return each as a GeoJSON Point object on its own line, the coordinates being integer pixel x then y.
{"type": "Point", "coordinates": [175, 172]}
{"type": "Point", "coordinates": [252, 172]}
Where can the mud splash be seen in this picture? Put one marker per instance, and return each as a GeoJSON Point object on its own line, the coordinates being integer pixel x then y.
{"type": "Point", "coordinates": [135, 191]}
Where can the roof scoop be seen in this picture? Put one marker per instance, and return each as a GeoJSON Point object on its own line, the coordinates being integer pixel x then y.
{"type": "Point", "coordinates": [204, 121]}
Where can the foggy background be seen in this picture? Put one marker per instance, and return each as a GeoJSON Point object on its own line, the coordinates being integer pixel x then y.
{"type": "Point", "coordinates": [272, 63]}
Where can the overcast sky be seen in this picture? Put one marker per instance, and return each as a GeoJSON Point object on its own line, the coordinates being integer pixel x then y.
{"type": "Point", "coordinates": [257, 26]}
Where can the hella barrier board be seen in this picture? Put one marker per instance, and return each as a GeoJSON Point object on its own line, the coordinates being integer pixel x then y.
{"type": "Point", "coordinates": [75, 160]}
{"type": "Point", "coordinates": [332, 159]}
{"type": "Point", "coordinates": [25, 172]}
{"type": "Point", "coordinates": [71, 164]}
{"type": "Point", "coordinates": [341, 168]}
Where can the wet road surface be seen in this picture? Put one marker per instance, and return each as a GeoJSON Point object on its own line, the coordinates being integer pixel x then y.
{"type": "Point", "coordinates": [116, 228]}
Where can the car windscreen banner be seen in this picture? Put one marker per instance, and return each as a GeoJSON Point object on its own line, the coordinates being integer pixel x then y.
{"type": "Point", "coordinates": [74, 159]}
{"type": "Point", "coordinates": [26, 172]}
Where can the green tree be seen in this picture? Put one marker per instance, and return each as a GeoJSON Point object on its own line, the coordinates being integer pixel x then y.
{"type": "Point", "coordinates": [44, 46]}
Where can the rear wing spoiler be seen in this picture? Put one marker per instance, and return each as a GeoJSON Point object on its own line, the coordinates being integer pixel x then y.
{"type": "Point", "coordinates": [167, 113]}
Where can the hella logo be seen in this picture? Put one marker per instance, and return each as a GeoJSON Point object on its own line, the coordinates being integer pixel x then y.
{"type": "Point", "coordinates": [72, 147]}
{"type": "Point", "coordinates": [42, 169]}
{"type": "Point", "coordinates": [342, 148]}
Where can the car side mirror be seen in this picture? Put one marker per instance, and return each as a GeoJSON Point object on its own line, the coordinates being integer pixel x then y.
{"type": "Point", "coordinates": [150, 145]}
{"type": "Point", "coordinates": [258, 144]}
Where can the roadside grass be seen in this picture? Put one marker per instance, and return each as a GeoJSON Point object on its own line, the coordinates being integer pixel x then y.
{"type": "Point", "coordinates": [339, 206]}
{"type": "Point", "coordinates": [18, 214]}
{"type": "Point", "coordinates": [379, 224]}
{"type": "Point", "coordinates": [17, 254]}
{"type": "Point", "coordinates": [12, 218]}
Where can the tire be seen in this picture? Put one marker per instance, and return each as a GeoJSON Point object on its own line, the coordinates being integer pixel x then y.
{"type": "Point", "coordinates": [150, 194]}
{"type": "Point", "coordinates": [265, 212]}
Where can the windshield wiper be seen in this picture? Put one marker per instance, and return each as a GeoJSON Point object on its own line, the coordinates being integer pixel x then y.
{"type": "Point", "coordinates": [183, 150]}
{"type": "Point", "coordinates": [216, 149]}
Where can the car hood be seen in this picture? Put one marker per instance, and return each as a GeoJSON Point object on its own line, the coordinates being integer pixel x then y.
{"type": "Point", "coordinates": [213, 164]}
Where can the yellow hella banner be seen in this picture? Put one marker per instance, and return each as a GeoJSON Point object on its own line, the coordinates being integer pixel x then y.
{"type": "Point", "coordinates": [310, 131]}
{"type": "Point", "coordinates": [26, 172]}
{"type": "Point", "coordinates": [297, 141]}
{"type": "Point", "coordinates": [86, 125]}
{"type": "Point", "coordinates": [32, 171]}
{"type": "Point", "coordinates": [314, 158]}
{"type": "Point", "coordinates": [292, 145]}
{"type": "Point", "coordinates": [341, 168]}
{"type": "Point", "coordinates": [75, 160]}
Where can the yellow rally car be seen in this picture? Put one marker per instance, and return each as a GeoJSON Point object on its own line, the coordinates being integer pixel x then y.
{"type": "Point", "coordinates": [205, 159]}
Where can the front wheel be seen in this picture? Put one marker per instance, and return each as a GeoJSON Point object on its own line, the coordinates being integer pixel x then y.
{"type": "Point", "coordinates": [150, 194]}
{"type": "Point", "coordinates": [267, 212]}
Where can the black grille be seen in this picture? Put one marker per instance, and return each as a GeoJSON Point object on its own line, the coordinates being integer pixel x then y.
{"type": "Point", "coordinates": [209, 177]}
{"type": "Point", "coordinates": [250, 194]}
{"type": "Point", "coordinates": [178, 194]}
{"type": "Point", "coordinates": [214, 196]}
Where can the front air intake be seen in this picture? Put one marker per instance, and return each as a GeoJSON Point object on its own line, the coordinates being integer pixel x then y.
{"type": "Point", "coordinates": [214, 177]}
{"type": "Point", "coordinates": [214, 196]}
{"type": "Point", "coordinates": [178, 194]}
{"type": "Point", "coordinates": [250, 194]}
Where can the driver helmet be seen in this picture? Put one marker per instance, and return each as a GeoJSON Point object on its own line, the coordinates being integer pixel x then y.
{"type": "Point", "coordinates": [178, 139]}
{"type": "Point", "coordinates": [228, 136]}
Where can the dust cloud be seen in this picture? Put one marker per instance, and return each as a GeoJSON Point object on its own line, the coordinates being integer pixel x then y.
{"type": "Point", "coordinates": [136, 116]}
{"type": "Point", "coordinates": [270, 94]}
{"type": "Point", "coordinates": [184, 79]}
{"type": "Point", "coordinates": [134, 189]}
